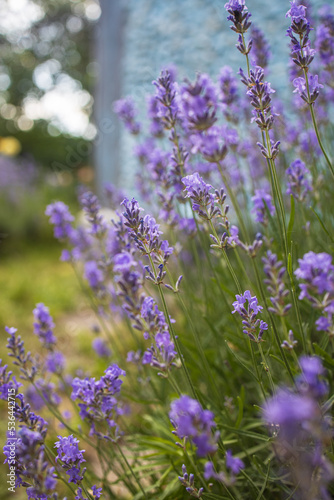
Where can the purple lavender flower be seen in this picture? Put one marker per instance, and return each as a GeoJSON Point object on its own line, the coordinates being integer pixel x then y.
{"type": "Point", "coordinates": [41, 393]}
{"type": "Point", "coordinates": [165, 97]}
{"type": "Point", "coordinates": [101, 348]}
{"type": "Point", "coordinates": [250, 323]}
{"type": "Point", "coordinates": [96, 491]}
{"type": "Point", "coordinates": [55, 362]}
{"type": "Point", "coordinates": [325, 43]}
{"type": "Point", "coordinates": [97, 401]}
{"type": "Point", "coordinates": [190, 420]}
{"type": "Point", "coordinates": [298, 184]}
{"type": "Point", "coordinates": [198, 104]}
{"type": "Point", "coordinates": [302, 53]}
{"type": "Point", "coordinates": [260, 52]}
{"type": "Point", "coordinates": [317, 272]}
{"type": "Point", "coordinates": [32, 471]}
{"type": "Point", "coordinates": [16, 350]}
{"type": "Point", "coordinates": [44, 325]}
{"type": "Point", "coordinates": [123, 262]}
{"type": "Point", "coordinates": [145, 233]}
{"type": "Point", "coordinates": [187, 480]}
{"type": "Point", "coordinates": [303, 430]}
{"type": "Point", "coordinates": [234, 464]}
{"type": "Point", "coordinates": [276, 287]}
{"type": "Point", "coordinates": [61, 218]}
{"type": "Point", "coordinates": [199, 192]}
{"type": "Point", "coordinates": [259, 91]}
{"type": "Point", "coordinates": [153, 112]}
{"type": "Point", "coordinates": [310, 382]}
{"type": "Point", "coordinates": [289, 411]}
{"type": "Point", "coordinates": [71, 458]}
{"type": "Point", "coordinates": [228, 86]}
{"type": "Point", "coordinates": [314, 88]}
{"type": "Point", "coordinates": [290, 343]}
{"type": "Point", "coordinates": [262, 203]}
{"type": "Point", "coordinates": [125, 109]}
{"type": "Point", "coordinates": [239, 16]}
{"type": "Point", "coordinates": [92, 207]}
{"type": "Point", "coordinates": [93, 274]}
{"type": "Point", "coordinates": [157, 165]}
{"type": "Point", "coordinates": [228, 94]}
{"type": "Point", "coordinates": [8, 384]}
{"type": "Point", "coordinates": [161, 354]}
{"type": "Point", "coordinates": [297, 12]}
{"type": "Point", "coordinates": [212, 145]}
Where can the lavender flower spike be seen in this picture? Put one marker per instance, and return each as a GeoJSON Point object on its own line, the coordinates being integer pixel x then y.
{"type": "Point", "coordinates": [125, 109]}
{"type": "Point", "coordinates": [70, 457]}
{"type": "Point", "coordinates": [190, 420]}
{"type": "Point", "coordinates": [314, 88]}
{"type": "Point", "coordinates": [317, 272]}
{"type": "Point", "coordinates": [187, 480]}
{"type": "Point", "coordinates": [262, 205]}
{"type": "Point", "coordinates": [44, 325]}
{"type": "Point", "coordinates": [298, 184]}
{"type": "Point", "coordinates": [275, 271]}
{"type": "Point", "coordinates": [304, 430]}
{"type": "Point", "coordinates": [61, 218]}
{"type": "Point", "coordinates": [248, 314]}
{"type": "Point", "coordinates": [199, 192]}
{"type": "Point", "coordinates": [239, 15]}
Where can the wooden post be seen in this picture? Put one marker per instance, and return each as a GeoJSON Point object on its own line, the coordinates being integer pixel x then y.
{"type": "Point", "coordinates": [109, 45]}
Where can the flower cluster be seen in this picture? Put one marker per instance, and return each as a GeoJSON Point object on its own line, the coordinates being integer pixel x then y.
{"type": "Point", "coordinates": [165, 109]}
{"type": "Point", "coordinates": [233, 467]}
{"type": "Point", "coordinates": [188, 480]}
{"type": "Point", "coordinates": [8, 382]}
{"type": "Point", "coordinates": [32, 470]}
{"type": "Point", "coordinates": [61, 218]}
{"type": "Point", "coordinates": [92, 209]}
{"type": "Point", "coordinates": [240, 18]}
{"type": "Point", "coordinates": [303, 429]}
{"type": "Point", "coordinates": [43, 326]}
{"type": "Point", "coordinates": [192, 422]}
{"type": "Point", "coordinates": [253, 326]}
{"type": "Point", "coordinates": [125, 109]}
{"type": "Point", "coordinates": [17, 351]}
{"type": "Point", "coordinates": [198, 104]}
{"type": "Point", "coordinates": [274, 271]}
{"type": "Point", "coordinates": [162, 353]}
{"type": "Point", "coordinates": [302, 53]}
{"type": "Point", "coordinates": [298, 182]}
{"type": "Point", "coordinates": [260, 53]}
{"type": "Point", "coordinates": [263, 206]}
{"type": "Point", "coordinates": [97, 401]}
{"type": "Point", "coordinates": [259, 91]}
{"type": "Point", "coordinates": [71, 458]}
{"type": "Point", "coordinates": [203, 201]}
{"type": "Point", "coordinates": [317, 272]}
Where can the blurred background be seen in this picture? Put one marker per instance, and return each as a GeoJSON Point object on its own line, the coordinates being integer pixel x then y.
{"type": "Point", "coordinates": [62, 64]}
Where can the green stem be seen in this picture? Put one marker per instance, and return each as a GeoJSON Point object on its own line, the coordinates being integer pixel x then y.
{"type": "Point", "coordinates": [227, 260]}
{"type": "Point", "coordinates": [171, 329]}
{"type": "Point", "coordinates": [267, 369]}
{"type": "Point", "coordinates": [131, 470]}
{"type": "Point", "coordinates": [251, 347]}
{"type": "Point", "coordinates": [277, 338]}
{"type": "Point", "coordinates": [234, 202]}
{"type": "Point", "coordinates": [328, 161]}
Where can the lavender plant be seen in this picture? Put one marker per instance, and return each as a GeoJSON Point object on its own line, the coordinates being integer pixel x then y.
{"type": "Point", "coordinates": [216, 302]}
